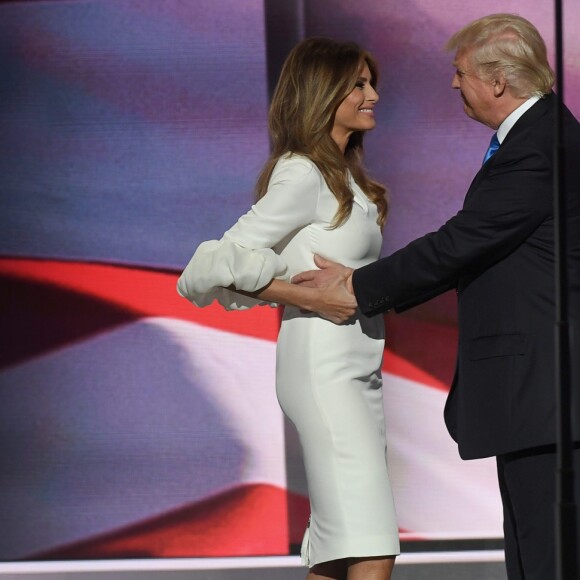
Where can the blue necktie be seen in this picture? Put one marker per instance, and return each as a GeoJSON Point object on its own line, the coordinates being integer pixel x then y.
{"type": "Point", "coordinates": [493, 147]}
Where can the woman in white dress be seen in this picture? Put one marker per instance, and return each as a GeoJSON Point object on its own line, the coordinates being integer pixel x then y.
{"type": "Point", "coordinates": [314, 196]}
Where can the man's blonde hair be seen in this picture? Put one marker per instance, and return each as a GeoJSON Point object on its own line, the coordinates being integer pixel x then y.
{"type": "Point", "coordinates": [510, 46]}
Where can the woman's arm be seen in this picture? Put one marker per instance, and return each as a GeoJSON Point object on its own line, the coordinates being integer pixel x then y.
{"type": "Point", "coordinates": [333, 302]}
{"type": "Point", "coordinates": [242, 264]}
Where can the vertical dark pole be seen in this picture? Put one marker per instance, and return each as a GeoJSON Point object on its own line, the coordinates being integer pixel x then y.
{"type": "Point", "coordinates": [284, 22]}
{"type": "Point", "coordinates": [565, 508]}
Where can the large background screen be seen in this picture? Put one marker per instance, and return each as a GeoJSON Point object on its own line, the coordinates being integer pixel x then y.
{"type": "Point", "coordinates": [131, 423]}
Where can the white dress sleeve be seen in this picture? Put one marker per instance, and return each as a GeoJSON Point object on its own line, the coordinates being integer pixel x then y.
{"type": "Point", "coordinates": [244, 256]}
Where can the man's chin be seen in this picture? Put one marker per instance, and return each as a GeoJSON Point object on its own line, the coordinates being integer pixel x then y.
{"type": "Point", "coordinates": [469, 112]}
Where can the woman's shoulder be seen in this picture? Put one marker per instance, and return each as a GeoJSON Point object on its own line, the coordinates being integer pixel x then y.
{"type": "Point", "coordinates": [297, 164]}
{"type": "Point", "coordinates": [297, 171]}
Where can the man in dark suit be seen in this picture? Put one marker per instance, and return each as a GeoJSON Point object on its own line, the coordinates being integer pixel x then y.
{"type": "Point", "coordinates": [498, 253]}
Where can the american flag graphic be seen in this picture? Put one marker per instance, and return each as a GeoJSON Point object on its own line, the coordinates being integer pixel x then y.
{"type": "Point", "coordinates": [138, 425]}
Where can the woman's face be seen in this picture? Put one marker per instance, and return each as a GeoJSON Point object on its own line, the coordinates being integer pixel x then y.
{"type": "Point", "coordinates": [355, 113]}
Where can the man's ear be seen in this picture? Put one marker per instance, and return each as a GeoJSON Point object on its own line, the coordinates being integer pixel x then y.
{"type": "Point", "coordinates": [499, 85]}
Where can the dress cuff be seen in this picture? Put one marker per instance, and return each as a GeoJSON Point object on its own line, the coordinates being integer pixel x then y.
{"type": "Point", "coordinates": [218, 264]}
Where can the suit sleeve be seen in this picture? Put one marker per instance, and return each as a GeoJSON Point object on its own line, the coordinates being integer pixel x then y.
{"type": "Point", "coordinates": [499, 214]}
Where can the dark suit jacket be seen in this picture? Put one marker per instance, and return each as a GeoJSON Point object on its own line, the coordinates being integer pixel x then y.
{"type": "Point", "coordinates": [498, 252]}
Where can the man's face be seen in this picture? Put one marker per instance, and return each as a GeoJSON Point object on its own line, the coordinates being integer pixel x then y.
{"type": "Point", "coordinates": [479, 101]}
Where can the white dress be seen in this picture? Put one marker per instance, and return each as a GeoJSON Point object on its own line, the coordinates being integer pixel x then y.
{"type": "Point", "coordinates": [328, 376]}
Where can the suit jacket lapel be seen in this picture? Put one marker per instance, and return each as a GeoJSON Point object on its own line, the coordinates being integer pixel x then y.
{"type": "Point", "coordinates": [539, 109]}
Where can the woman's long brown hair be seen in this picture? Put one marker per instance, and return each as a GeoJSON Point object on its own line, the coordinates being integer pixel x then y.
{"type": "Point", "coordinates": [316, 77]}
